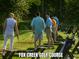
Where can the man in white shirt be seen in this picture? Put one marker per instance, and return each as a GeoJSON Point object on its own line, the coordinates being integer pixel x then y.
{"type": "Point", "coordinates": [9, 26]}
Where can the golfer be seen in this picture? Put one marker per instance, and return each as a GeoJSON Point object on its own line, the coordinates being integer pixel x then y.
{"type": "Point", "coordinates": [38, 26]}
{"type": "Point", "coordinates": [9, 25]}
{"type": "Point", "coordinates": [49, 30]}
{"type": "Point", "coordinates": [54, 29]}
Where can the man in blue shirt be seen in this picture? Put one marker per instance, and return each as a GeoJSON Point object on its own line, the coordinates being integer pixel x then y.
{"type": "Point", "coordinates": [38, 26]}
{"type": "Point", "coordinates": [49, 30]}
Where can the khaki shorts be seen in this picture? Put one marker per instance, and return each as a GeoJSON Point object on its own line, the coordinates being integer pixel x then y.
{"type": "Point", "coordinates": [49, 33]}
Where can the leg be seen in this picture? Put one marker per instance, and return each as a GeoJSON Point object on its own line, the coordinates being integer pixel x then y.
{"type": "Point", "coordinates": [48, 37]}
{"type": "Point", "coordinates": [40, 38]}
{"type": "Point", "coordinates": [5, 41]}
{"type": "Point", "coordinates": [55, 34]}
{"type": "Point", "coordinates": [11, 42]}
{"type": "Point", "coordinates": [35, 40]}
{"type": "Point", "coordinates": [39, 42]}
{"type": "Point", "coordinates": [4, 46]}
{"type": "Point", "coordinates": [35, 43]}
{"type": "Point", "coordinates": [48, 42]}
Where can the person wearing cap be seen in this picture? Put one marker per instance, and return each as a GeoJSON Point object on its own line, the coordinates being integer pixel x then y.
{"type": "Point", "coordinates": [9, 25]}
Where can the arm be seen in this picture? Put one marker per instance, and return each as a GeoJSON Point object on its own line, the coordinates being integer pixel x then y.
{"type": "Point", "coordinates": [32, 25]}
{"type": "Point", "coordinates": [44, 25]}
{"type": "Point", "coordinates": [48, 24]}
{"type": "Point", "coordinates": [17, 31]}
{"type": "Point", "coordinates": [4, 26]}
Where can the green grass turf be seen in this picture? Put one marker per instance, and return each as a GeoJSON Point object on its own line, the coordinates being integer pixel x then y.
{"type": "Point", "coordinates": [26, 41]}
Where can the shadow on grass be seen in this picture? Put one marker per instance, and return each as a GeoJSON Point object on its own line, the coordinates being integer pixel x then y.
{"type": "Point", "coordinates": [60, 38]}
{"type": "Point", "coordinates": [24, 42]}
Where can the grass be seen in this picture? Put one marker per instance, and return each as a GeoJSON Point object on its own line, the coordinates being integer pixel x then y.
{"type": "Point", "coordinates": [26, 41]}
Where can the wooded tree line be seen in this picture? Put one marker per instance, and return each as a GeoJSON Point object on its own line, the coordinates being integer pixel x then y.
{"type": "Point", "coordinates": [65, 10]}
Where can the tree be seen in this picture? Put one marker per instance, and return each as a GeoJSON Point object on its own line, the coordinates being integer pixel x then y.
{"type": "Point", "coordinates": [19, 7]}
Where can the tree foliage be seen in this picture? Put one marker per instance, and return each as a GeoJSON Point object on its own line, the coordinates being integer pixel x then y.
{"type": "Point", "coordinates": [19, 7]}
{"type": "Point", "coordinates": [64, 9]}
